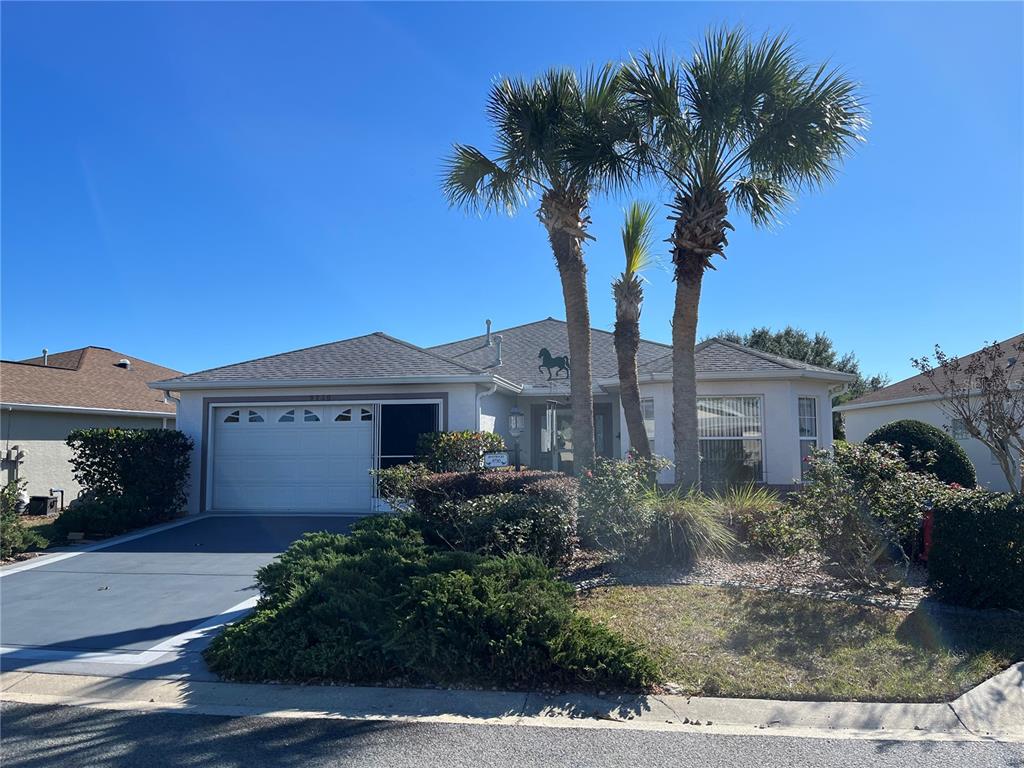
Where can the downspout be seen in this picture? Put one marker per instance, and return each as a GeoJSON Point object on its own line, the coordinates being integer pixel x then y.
{"type": "Point", "coordinates": [480, 396]}
{"type": "Point", "coordinates": [168, 399]}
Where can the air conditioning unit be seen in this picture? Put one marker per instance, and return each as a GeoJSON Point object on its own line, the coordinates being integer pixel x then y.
{"type": "Point", "coordinates": [42, 505]}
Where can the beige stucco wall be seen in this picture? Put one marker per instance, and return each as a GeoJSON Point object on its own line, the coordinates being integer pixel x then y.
{"type": "Point", "coordinates": [42, 434]}
{"type": "Point", "coordinates": [861, 422]}
{"type": "Point", "coordinates": [780, 424]}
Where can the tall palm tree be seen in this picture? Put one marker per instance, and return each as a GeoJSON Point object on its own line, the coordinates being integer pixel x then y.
{"type": "Point", "coordinates": [559, 137]}
{"type": "Point", "coordinates": [743, 124]}
{"type": "Point", "coordinates": [628, 292]}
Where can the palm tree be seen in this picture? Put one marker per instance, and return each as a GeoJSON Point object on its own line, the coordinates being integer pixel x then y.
{"type": "Point", "coordinates": [629, 295]}
{"type": "Point", "coordinates": [561, 137]}
{"type": "Point", "coordinates": [740, 124]}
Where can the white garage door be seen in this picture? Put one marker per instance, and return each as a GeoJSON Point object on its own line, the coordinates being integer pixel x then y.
{"type": "Point", "coordinates": [305, 458]}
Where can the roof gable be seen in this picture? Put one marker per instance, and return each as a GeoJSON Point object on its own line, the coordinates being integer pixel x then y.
{"type": "Point", "coordinates": [375, 355]}
{"type": "Point", "coordinates": [521, 346]}
{"type": "Point", "coordinates": [85, 378]}
{"type": "Point", "coordinates": [719, 356]}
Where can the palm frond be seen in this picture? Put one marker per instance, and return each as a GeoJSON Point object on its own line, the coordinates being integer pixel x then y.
{"type": "Point", "coordinates": [763, 199]}
{"type": "Point", "coordinates": [474, 182]}
{"type": "Point", "coordinates": [807, 129]}
{"type": "Point", "coordinates": [637, 237]}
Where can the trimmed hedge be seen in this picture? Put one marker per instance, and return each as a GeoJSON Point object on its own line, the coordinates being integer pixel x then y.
{"type": "Point", "coordinates": [429, 492]}
{"type": "Point", "coordinates": [977, 555]}
{"type": "Point", "coordinates": [951, 465]}
{"type": "Point", "coordinates": [381, 606]}
{"type": "Point", "coordinates": [505, 524]}
{"type": "Point", "coordinates": [456, 451]}
{"type": "Point", "coordinates": [132, 478]}
{"type": "Point", "coordinates": [528, 513]}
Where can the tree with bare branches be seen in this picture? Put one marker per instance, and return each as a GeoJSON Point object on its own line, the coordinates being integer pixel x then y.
{"type": "Point", "coordinates": [985, 393]}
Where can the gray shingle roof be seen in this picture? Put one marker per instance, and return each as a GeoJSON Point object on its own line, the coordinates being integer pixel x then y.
{"type": "Point", "coordinates": [521, 344]}
{"type": "Point", "coordinates": [375, 355]}
{"type": "Point", "coordinates": [721, 356]}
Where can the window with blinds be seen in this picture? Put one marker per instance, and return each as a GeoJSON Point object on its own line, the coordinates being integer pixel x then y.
{"type": "Point", "coordinates": [731, 439]}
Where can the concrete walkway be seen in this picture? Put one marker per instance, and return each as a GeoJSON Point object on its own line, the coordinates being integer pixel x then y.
{"type": "Point", "coordinates": [993, 711]}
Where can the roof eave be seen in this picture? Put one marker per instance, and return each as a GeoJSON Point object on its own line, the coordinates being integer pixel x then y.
{"type": "Point", "coordinates": [182, 385]}
{"type": "Point", "coordinates": [84, 409]}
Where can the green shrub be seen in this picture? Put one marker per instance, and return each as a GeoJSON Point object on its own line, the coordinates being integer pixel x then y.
{"type": "Point", "coordinates": [687, 526]}
{"type": "Point", "coordinates": [456, 451]}
{"type": "Point", "coordinates": [395, 484]}
{"type": "Point", "coordinates": [379, 606]}
{"type": "Point", "coordinates": [505, 524]}
{"type": "Point", "coordinates": [764, 520]}
{"type": "Point", "coordinates": [431, 491]}
{"type": "Point", "coordinates": [132, 478]}
{"type": "Point", "coordinates": [15, 538]}
{"type": "Point", "coordinates": [977, 555]}
{"type": "Point", "coordinates": [96, 515]}
{"type": "Point", "coordinates": [926, 448]}
{"type": "Point", "coordinates": [863, 507]}
{"type": "Point", "coordinates": [614, 514]}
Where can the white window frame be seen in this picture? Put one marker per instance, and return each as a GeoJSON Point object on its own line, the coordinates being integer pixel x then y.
{"type": "Point", "coordinates": [651, 430]}
{"type": "Point", "coordinates": [958, 430]}
{"type": "Point", "coordinates": [760, 438]}
{"type": "Point", "coordinates": [815, 439]}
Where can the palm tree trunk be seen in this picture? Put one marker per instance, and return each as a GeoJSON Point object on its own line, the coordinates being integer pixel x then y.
{"type": "Point", "coordinates": [697, 235]}
{"type": "Point", "coordinates": [627, 344]}
{"type": "Point", "coordinates": [684, 379]}
{"type": "Point", "coordinates": [565, 223]}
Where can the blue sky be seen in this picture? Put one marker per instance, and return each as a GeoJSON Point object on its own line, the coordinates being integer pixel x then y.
{"type": "Point", "coordinates": [198, 184]}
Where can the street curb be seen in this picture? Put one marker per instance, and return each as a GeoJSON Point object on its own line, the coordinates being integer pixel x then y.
{"type": "Point", "coordinates": [890, 722]}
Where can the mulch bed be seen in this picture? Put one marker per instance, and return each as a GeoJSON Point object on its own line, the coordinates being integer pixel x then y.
{"type": "Point", "coordinates": [807, 575]}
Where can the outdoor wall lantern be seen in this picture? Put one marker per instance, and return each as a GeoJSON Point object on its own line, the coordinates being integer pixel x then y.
{"type": "Point", "coordinates": [516, 427]}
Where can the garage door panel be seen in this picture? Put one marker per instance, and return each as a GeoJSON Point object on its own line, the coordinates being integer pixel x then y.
{"type": "Point", "coordinates": [291, 466]}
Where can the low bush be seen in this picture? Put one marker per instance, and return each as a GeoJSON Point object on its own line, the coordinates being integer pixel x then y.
{"type": "Point", "coordinates": [764, 520]}
{"type": "Point", "coordinates": [456, 451]}
{"type": "Point", "coordinates": [96, 515]}
{"type": "Point", "coordinates": [505, 524]}
{"type": "Point", "coordinates": [380, 606]}
{"type": "Point", "coordinates": [927, 448]}
{"type": "Point", "coordinates": [395, 484]}
{"type": "Point", "coordinates": [863, 508]}
{"type": "Point", "coordinates": [614, 514]}
{"type": "Point", "coordinates": [977, 554]}
{"type": "Point", "coordinates": [687, 526]}
{"type": "Point", "coordinates": [15, 538]}
{"type": "Point", "coordinates": [431, 491]}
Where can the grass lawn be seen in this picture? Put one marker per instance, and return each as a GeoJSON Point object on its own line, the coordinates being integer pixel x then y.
{"type": "Point", "coordinates": [732, 642]}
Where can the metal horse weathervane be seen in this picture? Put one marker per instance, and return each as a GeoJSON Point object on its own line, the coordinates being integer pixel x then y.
{"type": "Point", "coordinates": [556, 364]}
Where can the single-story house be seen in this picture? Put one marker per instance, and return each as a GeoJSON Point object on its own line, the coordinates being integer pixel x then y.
{"type": "Point", "coordinates": [906, 400]}
{"type": "Point", "coordinates": [299, 431]}
{"type": "Point", "coordinates": [44, 398]}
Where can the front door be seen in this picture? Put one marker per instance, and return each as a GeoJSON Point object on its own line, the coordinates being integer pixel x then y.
{"type": "Point", "coordinates": [553, 435]}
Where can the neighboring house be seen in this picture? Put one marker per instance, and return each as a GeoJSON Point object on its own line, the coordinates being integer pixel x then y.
{"type": "Point", "coordinates": [300, 431]}
{"type": "Point", "coordinates": [44, 398]}
{"type": "Point", "coordinates": [905, 400]}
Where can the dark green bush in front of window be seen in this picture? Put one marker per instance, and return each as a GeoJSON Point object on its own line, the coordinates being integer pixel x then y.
{"type": "Point", "coordinates": [916, 439]}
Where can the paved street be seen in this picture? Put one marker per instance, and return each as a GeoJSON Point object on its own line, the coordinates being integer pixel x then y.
{"type": "Point", "coordinates": [37, 736]}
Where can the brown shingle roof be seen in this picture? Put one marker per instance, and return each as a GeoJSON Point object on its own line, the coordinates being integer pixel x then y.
{"type": "Point", "coordinates": [910, 387]}
{"type": "Point", "coordinates": [720, 356]}
{"type": "Point", "coordinates": [85, 378]}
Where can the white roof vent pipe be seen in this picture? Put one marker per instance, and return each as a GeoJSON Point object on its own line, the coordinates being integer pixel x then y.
{"type": "Point", "coordinates": [46, 356]}
{"type": "Point", "coordinates": [488, 323]}
{"type": "Point", "coordinates": [497, 350]}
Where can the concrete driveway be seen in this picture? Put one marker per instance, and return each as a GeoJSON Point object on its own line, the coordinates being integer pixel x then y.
{"type": "Point", "coordinates": [144, 604]}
